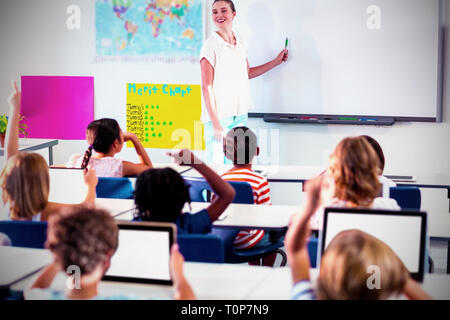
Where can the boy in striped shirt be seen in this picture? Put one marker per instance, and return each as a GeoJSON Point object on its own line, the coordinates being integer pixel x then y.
{"type": "Point", "coordinates": [240, 146]}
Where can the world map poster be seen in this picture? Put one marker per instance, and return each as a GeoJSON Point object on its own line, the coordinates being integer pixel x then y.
{"type": "Point", "coordinates": [140, 30]}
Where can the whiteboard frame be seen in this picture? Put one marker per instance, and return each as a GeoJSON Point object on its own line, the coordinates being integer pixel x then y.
{"type": "Point", "coordinates": [381, 120]}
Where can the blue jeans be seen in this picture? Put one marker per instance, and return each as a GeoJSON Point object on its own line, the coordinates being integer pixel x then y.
{"type": "Point", "coordinates": [213, 148]}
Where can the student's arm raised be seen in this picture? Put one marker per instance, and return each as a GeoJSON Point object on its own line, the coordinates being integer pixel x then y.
{"type": "Point", "coordinates": [134, 169]}
{"type": "Point", "coordinates": [225, 192]}
{"type": "Point", "coordinates": [413, 290]}
{"type": "Point", "coordinates": [299, 230]}
{"type": "Point", "coordinates": [12, 130]}
{"type": "Point", "coordinates": [183, 290]}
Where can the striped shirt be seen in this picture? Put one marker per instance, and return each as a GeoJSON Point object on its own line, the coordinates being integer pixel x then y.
{"type": "Point", "coordinates": [248, 238]}
{"type": "Point", "coordinates": [303, 290]}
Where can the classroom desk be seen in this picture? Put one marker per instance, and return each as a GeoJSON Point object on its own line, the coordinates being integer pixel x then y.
{"type": "Point", "coordinates": [116, 207]}
{"type": "Point", "coordinates": [26, 144]}
{"type": "Point", "coordinates": [210, 281]}
{"type": "Point", "coordinates": [67, 184]}
{"type": "Point", "coordinates": [430, 180]}
{"type": "Point", "coordinates": [278, 285]}
{"type": "Point", "coordinates": [236, 215]}
{"type": "Point", "coordinates": [19, 263]}
{"type": "Point", "coordinates": [176, 167]}
{"type": "Point", "coordinates": [252, 216]}
{"type": "Point", "coordinates": [273, 173]}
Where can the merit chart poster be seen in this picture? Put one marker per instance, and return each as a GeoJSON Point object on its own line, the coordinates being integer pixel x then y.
{"type": "Point", "coordinates": [165, 116]}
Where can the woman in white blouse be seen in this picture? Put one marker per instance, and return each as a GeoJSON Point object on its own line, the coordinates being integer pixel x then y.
{"type": "Point", "coordinates": [225, 79]}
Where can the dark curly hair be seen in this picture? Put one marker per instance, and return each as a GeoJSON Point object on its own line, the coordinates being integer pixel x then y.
{"type": "Point", "coordinates": [102, 133]}
{"type": "Point", "coordinates": [83, 237]}
{"type": "Point", "coordinates": [160, 195]}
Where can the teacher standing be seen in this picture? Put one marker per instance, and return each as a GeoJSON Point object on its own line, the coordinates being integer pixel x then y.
{"type": "Point", "coordinates": [225, 80]}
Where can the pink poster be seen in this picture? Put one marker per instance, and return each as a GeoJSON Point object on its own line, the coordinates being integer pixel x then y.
{"type": "Point", "coordinates": [57, 107]}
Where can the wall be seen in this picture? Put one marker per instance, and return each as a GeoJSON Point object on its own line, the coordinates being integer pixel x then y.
{"type": "Point", "coordinates": [35, 41]}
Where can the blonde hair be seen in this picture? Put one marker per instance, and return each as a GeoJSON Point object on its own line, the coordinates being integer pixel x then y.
{"type": "Point", "coordinates": [345, 268]}
{"type": "Point", "coordinates": [354, 166]}
{"type": "Point", "coordinates": [25, 183]}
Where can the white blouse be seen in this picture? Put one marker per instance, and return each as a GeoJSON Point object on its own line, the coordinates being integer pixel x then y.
{"type": "Point", "coordinates": [231, 85]}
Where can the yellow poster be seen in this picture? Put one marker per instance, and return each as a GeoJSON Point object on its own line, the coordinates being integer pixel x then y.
{"type": "Point", "coordinates": [165, 116]}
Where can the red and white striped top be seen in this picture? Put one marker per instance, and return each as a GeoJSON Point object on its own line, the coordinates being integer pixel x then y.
{"type": "Point", "coordinates": [248, 238]}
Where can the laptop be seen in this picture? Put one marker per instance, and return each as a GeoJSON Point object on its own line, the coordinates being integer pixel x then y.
{"type": "Point", "coordinates": [403, 231]}
{"type": "Point", "coordinates": [67, 185]}
{"type": "Point", "coordinates": [143, 253]}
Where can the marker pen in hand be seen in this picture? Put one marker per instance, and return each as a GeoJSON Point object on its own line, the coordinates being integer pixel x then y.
{"type": "Point", "coordinates": [285, 48]}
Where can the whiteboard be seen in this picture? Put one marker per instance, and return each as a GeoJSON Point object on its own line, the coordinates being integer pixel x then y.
{"type": "Point", "coordinates": [346, 57]}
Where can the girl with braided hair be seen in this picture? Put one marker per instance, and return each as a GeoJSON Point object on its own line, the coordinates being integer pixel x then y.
{"type": "Point", "coordinates": [107, 139]}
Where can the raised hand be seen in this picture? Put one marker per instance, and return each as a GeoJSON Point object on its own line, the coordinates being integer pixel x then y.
{"type": "Point", "coordinates": [129, 136]}
{"type": "Point", "coordinates": [183, 290]}
{"type": "Point", "coordinates": [14, 99]}
{"type": "Point", "coordinates": [89, 176]}
{"type": "Point", "coordinates": [184, 157]}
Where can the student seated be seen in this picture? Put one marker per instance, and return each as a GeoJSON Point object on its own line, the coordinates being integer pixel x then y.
{"type": "Point", "coordinates": [105, 137]}
{"type": "Point", "coordinates": [160, 195]}
{"type": "Point", "coordinates": [344, 264]}
{"type": "Point", "coordinates": [385, 182]}
{"type": "Point", "coordinates": [88, 238]}
{"type": "Point", "coordinates": [24, 181]}
{"type": "Point", "coordinates": [353, 176]}
{"type": "Point", "coordinates": [240, 146]}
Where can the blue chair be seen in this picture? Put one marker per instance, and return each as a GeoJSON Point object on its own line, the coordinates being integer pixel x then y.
{"type": "Point", "coordinates": [240, 256]}
{"type": "Point", "coordinates": [244, 195]}
{"type": "Point", "coordinates": [119, 188]}
{"type": "Point", "coordinates": [28, 234]}
{"type": "Point", "coordinates": [199, 187]}
{"type": "Point", "coordinates": [406, 197]}
{"type": "Point", "coordinates": [313, 244]}
{"type": "Point", "coordinates": [201, 247]}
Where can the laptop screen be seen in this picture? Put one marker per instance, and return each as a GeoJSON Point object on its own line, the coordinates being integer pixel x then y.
{"type": "Point", "coordinates": [67, 185]}
{"type": "Point", "coordinates": [403, 232]}
{"type": "Point", "coordinates": [143, 253]}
